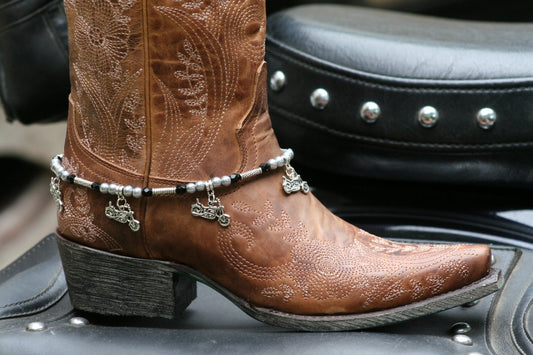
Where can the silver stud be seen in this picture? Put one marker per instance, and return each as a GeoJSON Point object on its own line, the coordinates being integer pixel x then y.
{"type": "Point", "coordinates": [319, 99]}
{"type": "Point", "coordinates": [471, 303]}
{"type": "Point", "coordinates": [428, 116]}
{"type": "Point", "coordinates": [104, 187]}
{"type": "Point", "coordinates": [127, 191]}
{"type": "Point", "coordinates": [191, 188]}
{"type": "Point", "coordinates": [370, 111]}
{"type": "Point", "coordinates": [461, 328]}
{"type": "Point", "coordinates": [226, 180]}
{"type": "Point", "coordinates": [200, 186]}
{"type": "Point", "coordinates": [492, 259]}
{"type": "Point", "coordinates": [36, 327]}
{"type": "Point", "coordinates": [137, 192]}
{"type": "Point", "coordinates": [78, 321]}
{"type": "Point", "coordinates": [486, 117]}
{"type": "Point", "coordinates": [462, 339]}
{"type": "Point", "coordinates": [216, 181]}
{"type": "Point", "coordinates": [278, 81]}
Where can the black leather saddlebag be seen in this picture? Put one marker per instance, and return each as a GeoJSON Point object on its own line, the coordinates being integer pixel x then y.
{"type": "Point", "coordinates": [383, 95]}
{"type": "Point", "coordinates": [34, 83]}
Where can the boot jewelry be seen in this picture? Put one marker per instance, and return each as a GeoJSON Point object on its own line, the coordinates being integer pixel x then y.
{"type": "Point", "coordinates": [214, 210]}
{"type": "Point", "coordinates": [293, 182]}
{"type": "Point", "coordinates": [122, 213]}
{"type": "Point", "coordinates": [56, 192]}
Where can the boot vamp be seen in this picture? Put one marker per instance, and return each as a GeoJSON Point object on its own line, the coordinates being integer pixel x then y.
{"type": "Point", "coordinates": [288, 252]}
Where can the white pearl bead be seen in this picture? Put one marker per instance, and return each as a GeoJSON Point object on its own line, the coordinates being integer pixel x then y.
{"type": "Point", "coordinates": [226, 181]}
{"type": "Point", "coordinates": [200, 186]}
{"type": "Point", "coordinates": [64, 175]}
{"type": "Point", "coordinates": [216, 181]}
{"type": "Point", "coordinates": [113, 189]}
{"type": "Point", "coordinates": [127, 191]}
{"type": "Point", "coordinates": [280, 161]}
{"type": "Point", "coordinates": [273, 164]}
{"type": "Point", "coordinates": [137, 192]}
{"type": "Point", "coordinates": [104, 187]}
{"type": "Point", "coordinates": [191, 188]}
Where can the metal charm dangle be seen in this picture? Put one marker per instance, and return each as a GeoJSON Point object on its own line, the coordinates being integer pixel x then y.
{"type": "Point", "coordinates": [122, 213]}
{"type": "Point", "coordinates": [293, 181]}
{"type": "Point", "coordinates": [213, 210]}
{"type": "Point", "coordinates": [56, 193]}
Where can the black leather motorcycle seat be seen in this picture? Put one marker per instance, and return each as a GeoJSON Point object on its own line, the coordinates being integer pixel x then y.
{"type": "Point", "coordinates": [394, 45]}
{"type": "Point", "coordinates": [403, 63]}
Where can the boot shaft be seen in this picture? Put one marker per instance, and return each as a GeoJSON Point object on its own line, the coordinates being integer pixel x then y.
{"type": "Point", "coordinates": [170, 89]}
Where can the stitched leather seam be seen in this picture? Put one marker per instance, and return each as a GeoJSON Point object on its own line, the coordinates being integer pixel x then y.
{"type": "Point", "coordinates": [23, 257]}
{"type": "Point", "coordinates": [41, 293]}
{"type": "Point", "coordinates": [321, 67]}
{"type": "Point", "coordinates": [398, 143]}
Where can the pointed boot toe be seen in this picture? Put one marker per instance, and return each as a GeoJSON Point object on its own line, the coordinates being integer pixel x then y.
{"type": "Point", "coordinates": [172, 174]}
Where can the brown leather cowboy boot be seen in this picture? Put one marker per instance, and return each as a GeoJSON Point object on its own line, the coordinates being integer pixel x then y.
{"type": "Point", "coordinates": [171, 168]}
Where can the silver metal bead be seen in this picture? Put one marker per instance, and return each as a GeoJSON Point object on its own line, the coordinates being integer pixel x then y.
{"type": "Point", "coordinates": [370, 111]}
{"type": "Point", "coordinates": [462, 339]}
{"type": "Point", "coordinates": [216, 181]}
{"type": "Point", "coordinates": [428, 116]}
{"type": "Point", "coordinates": [290, 152]}
{"type": "Point", "coordinates": [191, 187]}
{"type": "Point", "coordinates": [278, 81]}
{"type": "Point", "coordinates": [64, 175]}
{"type": "Point", "coordinates": [36, 327]}
{"type": "Point", "coordinates": [137, 192]}
{"type": "Point", "coordinates": [319, 99]}
{"type": "Point", "coordinates": [280, 161]}
{"type": "Point", "coordinates": [486, 117]}
{"type": "Point", "coordinates": [272, 163]}
{"type": "Point", "coordinates": [113, 189]}
{"type": "Point", "coordinates": [200, 186]}
{"type": "Point", "coordinates": [226, 181]}
{"type": "Point", "coordinates": [104, 187]}
{"type": "Point", "coordinates": [461, 328]}
{"type": "Point", "coordinates": [127, 191]}
{"type": "Point", "coordinates": [78, 321]}
{"type": "Point", "coordinates": [59, 171]}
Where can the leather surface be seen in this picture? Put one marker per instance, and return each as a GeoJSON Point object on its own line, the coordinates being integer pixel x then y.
{"type": "Point", "coordinates": [403, 62]}
{"type": "Point", "coordinates": [131, 122]}
{"type": "Point", "coordinates": [212, 323]}
{"type": "Point", "coordinates": [34, 60]}
{"type": "Point", "coordinates": [32, 283]}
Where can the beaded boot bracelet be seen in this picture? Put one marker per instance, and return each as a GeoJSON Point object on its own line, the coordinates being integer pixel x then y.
{"type": "Point", "coordinates": [122, 212]}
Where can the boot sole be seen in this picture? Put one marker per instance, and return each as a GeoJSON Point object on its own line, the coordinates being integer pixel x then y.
{"type": "Point", "coordinates": [110, 284]}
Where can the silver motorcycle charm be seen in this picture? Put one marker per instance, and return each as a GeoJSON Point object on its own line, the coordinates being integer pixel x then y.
{"type": "Point", "coordinates": [122, 213]}
{"type": "Point", "coordinates": [293, 181]}
{"type": "Point", "coordinates": [213, 210]}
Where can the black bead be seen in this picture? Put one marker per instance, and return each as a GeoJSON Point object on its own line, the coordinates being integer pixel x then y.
{"type": "Point", "coordinates": [181, 189]}
{"type": "Point", "coordinates": [147, 191]}
{"type": "Point", "coordinates": [264, 167]}
{"type": "Point", "coordinates": [70, 178]}
{"type": "Point", "coordinates": [95, 186]}
{"type": "Point", "coordinates": [235, 177]}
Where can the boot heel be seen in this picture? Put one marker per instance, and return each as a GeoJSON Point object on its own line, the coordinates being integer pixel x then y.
{"type": "Point", "coordinates": [109, 284]}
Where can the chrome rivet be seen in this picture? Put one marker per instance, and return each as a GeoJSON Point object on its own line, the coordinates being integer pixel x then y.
{"type": "Point", "coordinates": [278, 81]}
{"type": "Point", "coordinates": [492, 259]}
{"type": "Point", "coordinates": [486, 117]}
{"type": "Point", "coordinates": [475, 353]}
{"type": "Point", "coordinates": [471, 303]}
{"type": "Point", "coordinates": [36, 327]}
{"type": "Point", "coordinates": [370, 111]}
{"type": "Point", "coordinates": [428, 116]}
{"type": "Point", "coordinates": [460, 328]}
{"type": "Point", "coordinates": [462, 339]}
{"type": "Point", "coordinates": [319, 99]}
{"type": "Point", "coordinates": [78, 321]}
